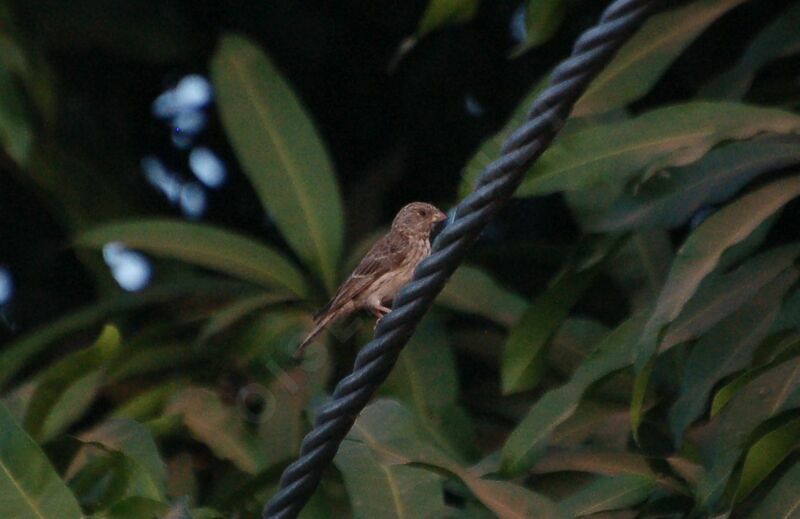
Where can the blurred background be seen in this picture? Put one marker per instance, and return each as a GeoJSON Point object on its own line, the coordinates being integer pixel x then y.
{"type": "Point", "coordinates": [399, 126]}
{"type": "Point", "coordinates": [126, 144]}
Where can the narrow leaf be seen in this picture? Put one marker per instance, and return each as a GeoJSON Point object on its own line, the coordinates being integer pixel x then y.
{"type": "Point", "coordinates": [772, 392]}
{"type": "Point", "coordinates": [779, 38]}
{"type": "Point", "coordinates": [281, 153]}
{"type": "Point", "coordinates": [594, 423]}
{"type": "Point", "coordinates": [720, 295]}
{"type": "Point", "coordinates": [608, 493]}
{"type": "Point", "coordinates": [134, 508]}
{"type": "Point", "coordinates": [135, 441]}
{"type": "Point", "coordinates": [703, 249]}
{"type": "Point", "coordinates": [65, 389]}
{"type": "Point", "coordinates": [471, 290]}
{"type": "Point", "coordinates": [220, 427]}
{"type": "Point", "coordinates": [542, 19]}
{"type": "Point", "coordinates": [728, 347]}
{"type": "Point", "coordinates": [388, 491]}
{"type": "Point", "coordinates": [765, 455]}
{"type": "Point", "coordinates": [784, 499]}
{"type": "Point", "coordinates": [639, 395]}
{"type": "Point", "coordinates": [441, 13]}
{"type": "Point", "coordinates": [235, 312]}
{"type": "Point", "coordinates": [668, 200]}
{"type": "Point", "coordinates": [425, 380]}
{"type": "Point", "coordinates": [203, 245]}
{"type": "Point", "coordinates": [530, 438]}
{"type": "Point", "coordinates": [648, 54]}
{"type": "Point", "coordinates": [677, 135]}
{"type": "Point", "coordinates": [392, 436]}
{"type": "Point", "coordinates": [489, 150]}
{"type": "Point", "coordinates": [523, 356]}
{"type": "Point", "coordinates": [17, 353]}
{"type": "Point", "coordinates": [16, 127]}
{"type": "Point", "coordinates": [606, 463]}
{"type": "Point", "coordinates": [29, 484]}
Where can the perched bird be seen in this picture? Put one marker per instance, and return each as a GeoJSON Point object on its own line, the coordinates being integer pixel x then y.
{"type": "Point", "coordinates": [384, 270]}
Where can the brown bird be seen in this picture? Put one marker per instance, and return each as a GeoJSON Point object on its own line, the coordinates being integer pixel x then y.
{"type": "Point", "coordinates": [384, 270]}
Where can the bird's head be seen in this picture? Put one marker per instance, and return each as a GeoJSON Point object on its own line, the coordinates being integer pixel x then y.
{"type": "Point", "coordinates": [417, 218]}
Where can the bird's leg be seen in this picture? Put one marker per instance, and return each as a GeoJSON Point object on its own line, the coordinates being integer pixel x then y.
{"type": "Point", "coordinates": [379, 311]}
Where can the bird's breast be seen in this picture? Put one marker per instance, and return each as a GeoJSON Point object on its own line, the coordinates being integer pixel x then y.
{"type": "Point", "coordinates": [391, 282]}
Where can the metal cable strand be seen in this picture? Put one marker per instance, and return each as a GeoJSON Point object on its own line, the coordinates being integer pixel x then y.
{"type": "Point", "coordinates": [591, 52]}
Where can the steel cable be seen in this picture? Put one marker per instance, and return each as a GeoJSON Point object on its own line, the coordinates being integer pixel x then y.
{"type": "Point", "coordinates": [591, 52]}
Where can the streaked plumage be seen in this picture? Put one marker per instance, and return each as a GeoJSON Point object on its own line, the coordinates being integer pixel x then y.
{"type": "Point", "coordinates": [387, 266]}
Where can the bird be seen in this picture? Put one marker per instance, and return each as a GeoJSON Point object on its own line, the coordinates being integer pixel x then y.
{"type": "Point", "coordinates": [383, 271]}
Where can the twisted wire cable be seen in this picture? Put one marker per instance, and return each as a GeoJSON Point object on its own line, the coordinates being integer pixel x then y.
{"type": "Point", "coordinates": [592, 51]}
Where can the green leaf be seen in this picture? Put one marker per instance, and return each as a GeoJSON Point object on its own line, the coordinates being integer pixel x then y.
{"type": "Point", "coordinates": [424, 377]}
{"type": "Point", "coordinates": [441, 13]}
{"type": "Point", "coordinates": [29, 484]}
{"type": "Point", "coordinates": [425, 380]}
{"type": "Point", "coordinates": [638, 397]}
{"type": "Point", "coordinates": [765, 455]}
{"type": "Point", "coordinates": [779, 38]}
{"type": "Point", "coordinates": [510, 501]}
{"type": "Point", "coordinates": [703, 249]}
{"type": "Point", "coordinates": [390, 432]}
{"type": "Point", "coordinates": [275, 332]}
{"type": "Point", "coordinates": [726, 392]}
{"type": "Point", "coordinates": [180, 510]}
{"type": "Point", "coordinates": [784, 499]}
{"type": "Point", "coordinates": [145, 359]}
{"type": "Point", "coordinates": [101, 477]}
{"type": "Point", "coordinates": [725, 349]}
{"type": "Point", "coordinates": [789, 318]}
{"type": "Point", "coordinates": [687, 469]}
{"type": "Point", "coordinates": [17, 353]}
{"type": "Point", "coordinates": [203, 245]}
{"type": "Point", "coordinates": [65, 389]}
{"type": "Point", "coordinates": [282, 423]}
{"type": "Point", "coordinates": [388, 491]}
{"type": "Point", "coordinates": [523, 356]}
{"type": "Point", "coordinates": [281, 153]}
{"type": "Point", "coordinates": [542, 20]}
{"type": "Point", "coordinates": [489, 150]}
{"type": "Point", "coordinates": [764, 397]}
{"type": "Point", "coordinates": [641, 266]}
{"type": "Point", "coordinates": [134, 441]}
{"type": "Point", "coordinates": [720, 295]}
{"type": "Point", "coordinates": [612, 153]}
{"type": "Point", "coordinates": [648, 54]}
{"type": "Point", "coordinates": [229, 315]}
{"type": "Point", "coordinates": [606, 463]}
{"type": "Point", "coordinates": [23, 58]}
{"type": "Point", "coordinates": [134, 508]}
{"type": "Point", "coordinates": [471, 290]}
{"type": "Point", "coordinates": [572, 343]}
{"type": "Point", "coordinates": [608, 493]}
{"type": "Point", "coordinates": [669, 200]}
{"type": "Point", "coordinates": [147, 404]}
{"type": "Point", "coordinates": [529, 440]}
{"type": "Point", "coordinates": [16, 131]}
{"type": "Point", "coordinates": [782, 351]}
{"type": "Point", "coordinates": [220, 427]}
{"type": "Point", "coordinates": [593, 423]}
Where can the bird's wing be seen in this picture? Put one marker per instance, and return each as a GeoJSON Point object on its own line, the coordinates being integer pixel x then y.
{"type": "Point", "coordinates": [387, 254]}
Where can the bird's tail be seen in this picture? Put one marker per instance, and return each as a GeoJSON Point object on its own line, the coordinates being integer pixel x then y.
{"type": "Point", "coordinates": [319, 325]}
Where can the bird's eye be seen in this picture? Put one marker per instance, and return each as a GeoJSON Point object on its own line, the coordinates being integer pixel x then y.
{"type": "Point", "coordinates": [423, 212]}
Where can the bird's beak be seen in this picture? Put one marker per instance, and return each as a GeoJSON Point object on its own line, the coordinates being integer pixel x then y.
{"type": "Point", "coordinates": [438, 224]}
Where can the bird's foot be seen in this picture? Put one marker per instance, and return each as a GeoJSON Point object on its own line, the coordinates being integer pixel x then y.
{"type": "Point", "coordinates": [380, 312]}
